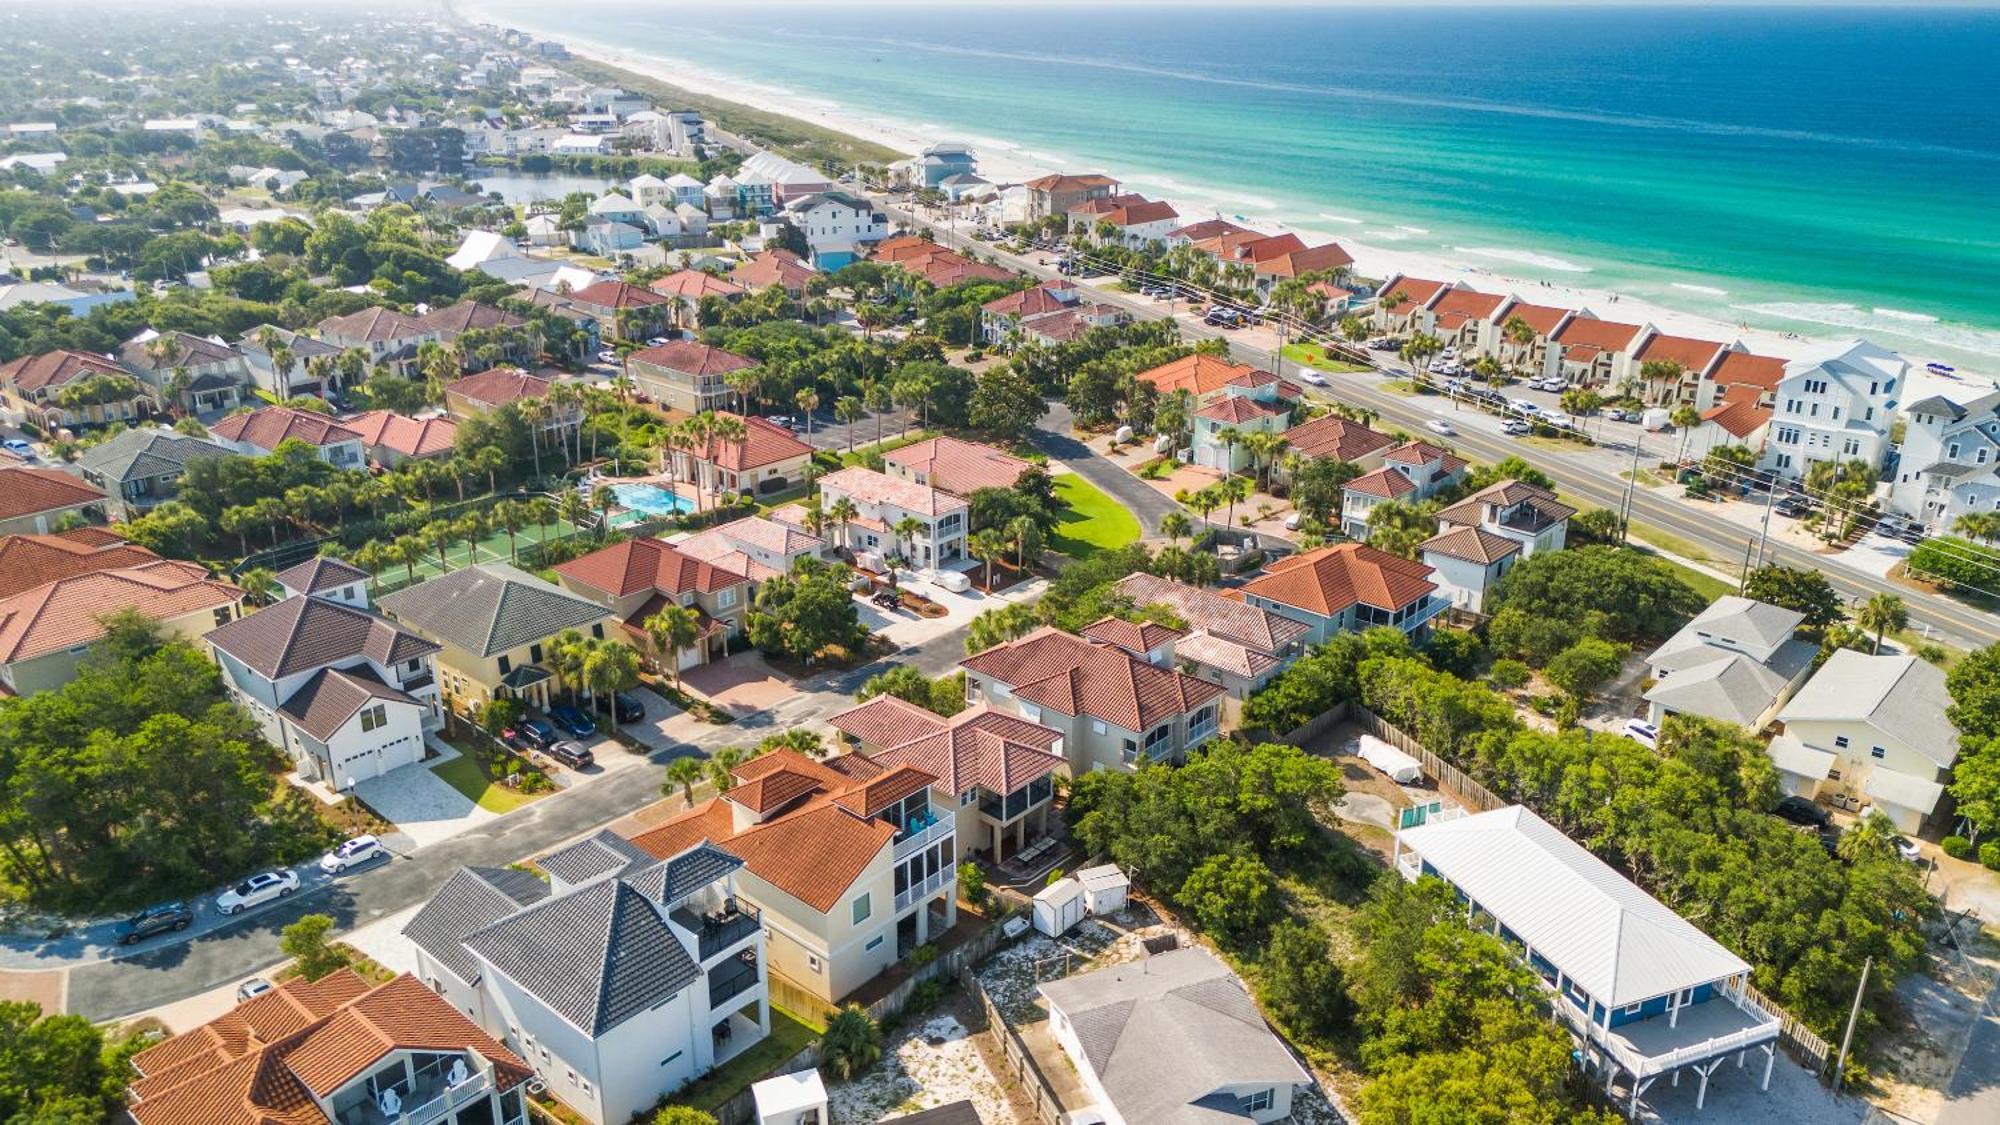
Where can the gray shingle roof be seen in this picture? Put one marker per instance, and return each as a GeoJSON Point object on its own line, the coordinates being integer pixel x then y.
{"type": "Point", "coordinates": [596, 855]}
{"type": "Point", "coordinates": [471, 900]}
{"type": "Point", "coordinates": [302, 633]}
{"type": "Point", "coordinates": [317, 574]}
{"type": "Point", "coordinates": [143, 453]}
{"type": "Point", "coordinates": [1167, 1033]}
{"type": "Point", "coordinates": [1902, 696]}
{"type": "Point", "coordinates": [325, 702]}
{"type": "Point", "coordinates": [596, 956]}
{"type": "Point", "coordinates": [490, 608]}
{"type": "Point", "coordinates": [668, 883]}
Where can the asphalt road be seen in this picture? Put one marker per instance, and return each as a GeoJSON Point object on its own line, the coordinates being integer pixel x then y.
{"type": "Point", "coordinates": [163, 973]}
{"type": "Point", "coordinates": [1052, 436]}
{"type": "Point", "coordinates": [1951, 621]}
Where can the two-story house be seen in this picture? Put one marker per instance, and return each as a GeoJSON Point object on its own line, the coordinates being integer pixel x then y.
{"type": "Point", "coordinates": [1001, 319]}
{"type": "Point", "coordinates": [491, 323]}
{"type": "Point", "coordinates": [689, 288]}
{"type": "Point", "coordinates": [35, 385]}
{"type": "Point", "coordinates": [1835, 404]}
{"type": "Point", "coordinates": [1401, 302]}
{"type": "Point", "coordinates": [1348, 587]}
{"type": "Point", "coordinates": [1588, 352]}
{"type": "Point", "coordinates": [1060, 193]}
{"type": "Point", "coordinates": [1738, 661]}
{"type": "Point", "coordinates": [1114, 709]}
{"type": "Point", "coordinates": [1482, 536]}
{"type": "Point", "coordinates": [1521, 333]}
{"type": "Point", "coordinates": [927, 526]}
{"type": "Point", "coordinates": [33, 500]}
{"type": "Point", "coordinates": [191, 373]}
{"type": "Point", "coordinates": [308, 356]}
{"type": "Point", "coordinates": [994, 769]}
{"type": "Point", "coordinates": [142, 466]}
{"type": "Point", "coordinates": [493, 625]}
{"type": "Point", "coordinates": [685, 375]}
{"type": "Point", "coordinates": [1646, 994]}
{"type": "Point", "coordinates": [852, 866]}
{"type": "Point", "coordinates": [1227, 642]}
{"type": "Point", "coordinates": [386, 337]}
{"type": "Point", "coordinates": [768, 458]}
{"type": "Point", "coordinates": [47, 631]}
{"type": "Point", "coordinates": [389, 438]}
{"type": "Point", "coordinates": [1330, 436]}
{"type": "Point", "coordinates": [332, 1052]}
{"type": "Point", "coordinates": [495, 387]}
{"type": "Point", "coordinates": [623, 979]}
{"type": "Point", "coordinates": [1243, 406]}
{"type": "Point", "coordinates": [776, 266]}
{"type": "Point", "coordinates": [621, 310]}
{"type": "Point", "coordinates": [755, 547]}
{"type": "Point", "coordinates": [838, 227]}
{"type": "Point", "coordinates": [638, 578]}
{"type": "Point", "coordinates": [1950, 463]}
{"type": "Point", "coordinates": [1463, 318]}
{"type": "Point", "coordinates": [256, 433]}
{"type": "Point", "coordinates": [1691, 361]}
{"type": "Point", "coordinates": [1871, 729]}
{"type": "Point", "coordinates": [345, 693]}
{"type": "Point", "coordinates": [1411, 472]}
{"type": "Point", "coordinates": [958, 466]}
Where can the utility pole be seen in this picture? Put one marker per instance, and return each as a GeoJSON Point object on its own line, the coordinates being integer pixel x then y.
{"type": "Point", "coordinates": [1853, 1015]}
{"type": "Point", "coordinates": [1756, 546]}
{"type": "Point", "coordinates": [1631, 489]}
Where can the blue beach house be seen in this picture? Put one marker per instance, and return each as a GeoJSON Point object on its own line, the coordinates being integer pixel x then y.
{"type": "Point", "coordinates": [1645, 993]}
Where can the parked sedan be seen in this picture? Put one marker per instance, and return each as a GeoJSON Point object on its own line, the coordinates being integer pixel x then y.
{"type": "Point", "coordinates": [155, 920]}
{"type": "Point", "coordinates": [571, 754]}
{"type": "Point", "coordinates": [1801, 812]}
{"type": "Point", "coordinates": [571, 720]}
{"type": "Point", "coordinates": [1313, 377]}
{"type": "Point", "coordinates": [353, 853]}
{"type": "Point", "coordinates": [258, 889]}
{"type": "Point", "coordinates": [17, 445]}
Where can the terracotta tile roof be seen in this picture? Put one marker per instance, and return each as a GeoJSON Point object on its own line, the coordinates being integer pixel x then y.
{"type": "Point", "coordinates": [1468, 303]}
{"type": "Point", "coordinates": [1542, 318]}
{"type": "Point", "coordinates": [433, 436]}
{"type": "Point", "coordinates": [453, 321]}
{"type": "Point", "coordinates": [497, 386]}
{"type": "Point", "coordinates": [1420, 292]}
{"type": "Point", "coordinates": [645, 564]}
{"type": "Point", "coordinates": [693, 285]}
{"type": "Point", "coordinates": [617, 295]}
{"type": "Point", "coordinates": [1385, 482]}
{"type": "Point", "coordinates": [959, 466]}
{"type": "Point", "coordinates": [1058, 670]}
{"type": "Point", "coordinates": [1060, 181]}
{"type": "Point", "coordinates": [763, 443]}
{"type": "Point", "coordinates": [1313, 259]}
{"type": "Point", "coordinates": [886, 720]}
{"type": "Point", "coordinates": [1331, 579]}
{"type": "Point", "coordinates": [1237, 409]}
{"type": "Point", "coordinates": [1208, 612]}
{"type": "Point", "coordinates": [28, 491]}
{"type": "Point", "coordinates": [1330, 435]}
{"type": "Point", "coordinates": [54, 369]}
{"type": "Point", "coordinates": [1471, 544]}
{"type": "Point", "coordinates": [1135, 637]}
{"type": "Point", "coordinates": [980, 748]}
{"type": "Point", "coordinates": [870, 487]}
{"type": "Point", "coordinates": [773, 267]}
{"type": "Point", "coordinates": [28, 561]}
{"type": "Point", "coordinates": [690, 358]}
{"type": "Point", "coordinates": [65, 613]}
{"type": "Point", "coordinates": [375, 325]}
{"type": "Point", "coordinates": [1033, 301]}
{"type": "Point", "coordinates": [1739, 414]}
{"type": "Point", "coordinates": [1604, 335]}
{"type": "Point", "coordinates": [1141, 213]}
{"type": "Point", "coordinates": [821, 837]}
{"type": "Point", "coordinates": [267, 427]}
{"type": "Point", "coordinates": [1417, 453]}
{"type": "Point", "coordinates": [1692, 354]}
{"type": "Point", "coordinates": [1761, 371]}
{"type": "Point", "coordinates": [944, 268]}
{"type": "Point", "coordinates": [1208, 228]}
{"type": "Point", "coordinates": [1199, 374]}
{"type": "Point", "coordinates": [302, 633]}
{"type": "Point", "coordinates": [1260, 247]}
{"type": "Point", "coordinates": [264, 1062]}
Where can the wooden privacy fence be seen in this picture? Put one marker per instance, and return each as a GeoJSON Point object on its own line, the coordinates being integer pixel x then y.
{"type": "Point", "coordinates": [1799, 1041]}
{"type": "Point", "coordinates": [1020, 1062]}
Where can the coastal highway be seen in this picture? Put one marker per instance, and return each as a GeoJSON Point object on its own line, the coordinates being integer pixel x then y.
{"type": "Point", "coordinates": [1949, 621]}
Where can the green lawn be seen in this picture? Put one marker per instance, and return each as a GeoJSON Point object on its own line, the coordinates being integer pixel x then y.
{"type": "Point", "coordinates": [1091, 521]}
{"type": "Point", "coordinates": [462, 774]}
{"type": "Point", "coordinates": [1315, 357]}
{"type": "Point", "coordinates": [888, 444]}
{"type": "Point", "coordinates": [1705, 584]}
{"type": "Point", "coordinates": [788, 1037]}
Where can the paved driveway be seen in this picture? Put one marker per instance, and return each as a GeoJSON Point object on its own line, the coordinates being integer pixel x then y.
{"type": "Point", "coordinates": [422, 805]}
{"type": "Point", "coordinates": [742, 684]}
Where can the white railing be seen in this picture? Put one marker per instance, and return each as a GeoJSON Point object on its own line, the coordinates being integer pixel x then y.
{"type": "Point", "coordinates": [470, 1090]}
{"type": "Point", "coordinates": [1645, 1066]}
{"type": "Point", "coordinates": [919, 841]}
{"type": "Point", "coordinates": [1198, 735]}
{"type": "Point", "coordinates": [1410, 866]}
{"type": "Point", "coordinates": [917, 892]}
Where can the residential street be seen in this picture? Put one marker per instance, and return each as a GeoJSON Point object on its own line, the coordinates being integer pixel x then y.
{"type": "Point", "coordinates": [1052, 436]}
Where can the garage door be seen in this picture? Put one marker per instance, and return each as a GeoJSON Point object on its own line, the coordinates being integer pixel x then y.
{"type": "Point", "coordinates": [690, 657]}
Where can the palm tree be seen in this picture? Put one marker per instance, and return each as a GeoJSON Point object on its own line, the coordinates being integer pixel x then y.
{"type": "Point", "coordinates": [683, 772]}
{"type": "Point", "coordinates": [1883, 613]}
{"type": "Point", "coordinates": [1234, 488]}
{"type": "Point", "coordinates": [671, 630]}
{"type": "Point", "coordinates": [1203, 500]}
{"type": "Point", "coordinates": [808, 401]}
{"type": "Point", "coordinates": [1229, 437]}
{"type": "Point", "coordinates": [719, 766]}
{"type": "Point", "coordinates": [1521, 334]}
{"type": "Point", "coordinates": [409, 552]}
{"type": "Point", "coordinates": [534, 412]}
{"type": "Point", "coordinates": [879, 399]}
{"type": "Point", "coordinates": [1027, 535]}
{"type": "Point", "coordinates": [1685, 418]}
{"type": "Point", "coordinates": [842, 511]}
{"type": "Point", "coordinates": [258, 584]}
{"type": "Point", "coordinates": [906, 530]}
{"type": "Point", "coordinates": [851, 1044]}
{"type": "Point", "coordinates": [1264, 448]}
{"type": "Point", "coordinates": [986, 545]}
{"type": "Point", "coordinates": [1978, 525]}
{"type": "Point", "coordinates": [604, 499]}
{"type": "Point", "coordinates": [744, 382]}
{"type": "Point", "coordinates": [565, 656]}
{"type": "Point", "coordinates": [1173, 525]}
{"type": "Point", "coordinates": [1874, 834]}
{"type": "Point", "coordinates": [847, 411]}
{"type": "Point", "coordinates": [611, 668]}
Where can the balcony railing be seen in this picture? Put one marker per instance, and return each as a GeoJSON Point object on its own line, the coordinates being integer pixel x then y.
{"type": "Point", "coordinates": [1645, 1066]}
{"type": "Point", "coordinates": [431, 1099]}
{"type": "Point", "coordinates": [1202, 733]}
{"type": "Point", "coordinates": [716, 932]}
{"type": "Point", "coordinates": [1018, 802]}
{"type": "Point", "coordinates": [917, 892]}
{"type": "Point", "coordinates": [920, 833]}
{"type": "Point", "coordinates": [731, 979]}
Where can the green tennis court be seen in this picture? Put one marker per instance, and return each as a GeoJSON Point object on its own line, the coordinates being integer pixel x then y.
{"type": "Point", "coordinates": [493, 548]}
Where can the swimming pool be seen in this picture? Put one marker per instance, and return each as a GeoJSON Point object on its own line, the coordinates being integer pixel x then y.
{"type": "Point", "coordinates": [652, 499]}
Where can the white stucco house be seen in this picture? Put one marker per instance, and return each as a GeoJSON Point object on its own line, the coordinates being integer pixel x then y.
{"type": "Point", "coordinates": [1871, 729]}
{"type": "Point", "coordinates": [1482, 536]}
{"type": "Point", "coordinates": [1950, 463]}
{"type": "Point", "coordinates": [1835, 404]}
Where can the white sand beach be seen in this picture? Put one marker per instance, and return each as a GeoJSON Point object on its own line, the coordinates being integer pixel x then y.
{"type": "Point", "coordinates": [1546, 280]}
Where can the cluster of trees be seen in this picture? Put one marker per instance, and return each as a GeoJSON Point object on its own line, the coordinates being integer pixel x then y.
{"type": "Point", "coordinates": [1974, 684]}
{"type": "Point", "coordinates": [944, 696]}
{"type": "Point", "coordinates": [60, 1070]}
{"type": "Point", "coordinates": [139, 779]}
{"type": "Point", "coordinates": [1827, 617]}
{"type": "Point", "coordinates": [807, 612]}
{"type": "Point", "coordinates": [1575, 614]}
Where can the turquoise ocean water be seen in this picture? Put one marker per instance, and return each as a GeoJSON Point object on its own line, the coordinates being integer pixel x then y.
{"type": "Point", "coordinates": [1813, 171]}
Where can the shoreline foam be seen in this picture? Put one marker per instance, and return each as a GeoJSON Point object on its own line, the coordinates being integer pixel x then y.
{"type": "Point", "coordinates": [1008, 161]}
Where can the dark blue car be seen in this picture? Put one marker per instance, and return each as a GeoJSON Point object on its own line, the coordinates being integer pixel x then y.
{"type": "Point", "coordinates": [535, 734]}
{"type": "Point", "coordinates": [573, 722]}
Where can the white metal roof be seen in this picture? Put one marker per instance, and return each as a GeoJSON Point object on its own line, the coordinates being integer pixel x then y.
{"type": "Point", "coordinates": [1902, 789]}
{"type": "Point", "coordinates": [1795, 757]}
{"type": "Point", "coordinates": [1615, 941]}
